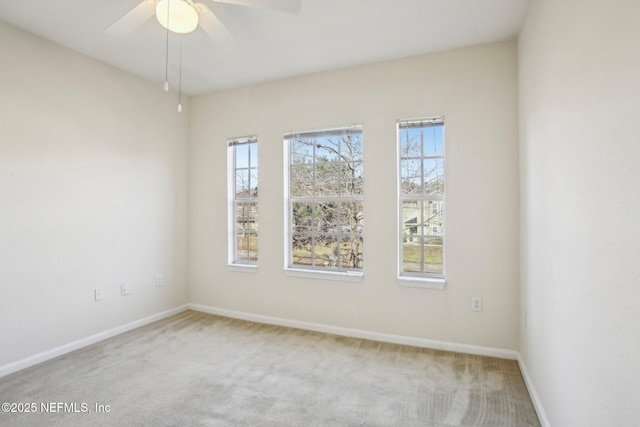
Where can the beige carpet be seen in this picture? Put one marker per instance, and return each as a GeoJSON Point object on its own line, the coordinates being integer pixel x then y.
{"type": "Point", "coordinates": [196, 369]}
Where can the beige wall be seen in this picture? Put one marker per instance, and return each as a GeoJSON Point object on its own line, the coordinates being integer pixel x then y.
{"type": "Point", "coordinates": [580, 199]}
{"type": "Point", "coordinates": [93, 192]}
{"type": "Point", "coordinates": [476, 90]}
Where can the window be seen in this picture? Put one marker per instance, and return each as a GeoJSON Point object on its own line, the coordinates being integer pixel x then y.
{"type": "Point", "coordinates": [325, 188]}
{"type": "Point", "coordinates": [243, 200]}
{"type": "Point", "coordinates": [421, 198]}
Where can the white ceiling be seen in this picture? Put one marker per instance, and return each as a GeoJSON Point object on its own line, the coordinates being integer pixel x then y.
{"type": "Point", "coordinates": [327, 34]}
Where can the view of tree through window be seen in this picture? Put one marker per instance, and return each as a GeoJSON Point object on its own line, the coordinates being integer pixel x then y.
{"type": "Point", "coordinates": [245, 200]}
{"type": "Point", "coordinates": [325, 199]}
{"type": "Point", "coordinates": [422, 197]}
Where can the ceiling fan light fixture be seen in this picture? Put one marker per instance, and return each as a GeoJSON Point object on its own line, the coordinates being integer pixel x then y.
{"type": "Point", "coordinates": [182, 17]}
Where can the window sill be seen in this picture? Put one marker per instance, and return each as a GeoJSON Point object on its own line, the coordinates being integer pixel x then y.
{"type": "Point", "coordinates": [340, 276]}
{"type": "Point", "coordinates": [243, 268]}
{"type": "Point", "coordinates": [421, 282]}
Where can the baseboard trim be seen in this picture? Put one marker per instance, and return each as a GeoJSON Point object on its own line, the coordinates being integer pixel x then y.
{"type": "Point", "coordinates": [75, 345]}
{"type": "Point", "coordinates": [359, 333]}
{"type": "Point", "coordinates": [537, 404]}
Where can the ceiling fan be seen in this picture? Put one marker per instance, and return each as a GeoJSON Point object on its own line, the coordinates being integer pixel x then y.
{"type": "Point", "coordinates": [184, 16]}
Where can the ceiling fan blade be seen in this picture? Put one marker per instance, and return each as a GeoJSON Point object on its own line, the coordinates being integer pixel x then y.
{"type": "Point", "coordinates": [286, 6]}
{"type": "Point", "coordinates": [215, 29]}
{"type": "Point", "coordinates": [133, 19]}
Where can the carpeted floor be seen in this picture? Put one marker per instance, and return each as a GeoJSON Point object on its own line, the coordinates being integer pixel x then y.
{"type": "Point", "coordinates": [196, 369]}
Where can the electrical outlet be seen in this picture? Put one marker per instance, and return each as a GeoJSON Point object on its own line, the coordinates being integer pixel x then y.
{"type": "Point", "coordinates": [98, 294]}
{"type": "Point", "coordinates": [476, 303]}
{"type": "Point", "coordinates": [159, 280]}
{"type": "Point", "coordinates": [125, 289]}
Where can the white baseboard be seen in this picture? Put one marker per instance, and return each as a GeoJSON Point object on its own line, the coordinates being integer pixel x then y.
{"type": "Point", "coordinates": [75, 345]}
{"type": "Point", "coordinates": [537, 404]}
{"type": "Point", "coordinates": [358, 333]}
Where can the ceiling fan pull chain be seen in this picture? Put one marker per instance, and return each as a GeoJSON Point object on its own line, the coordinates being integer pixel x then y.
{"type": "Point", "coordinates": [180, 79]}
{"type": "Point", "coordinates": [166, 63]}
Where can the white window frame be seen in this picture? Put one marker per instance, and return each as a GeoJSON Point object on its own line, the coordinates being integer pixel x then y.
{"type": "Point", "coordinates": [422, 279]}
{"type": "Point", "coordinates": [318, 272]}
{"type": "Point", "coordinates": [234, 262]}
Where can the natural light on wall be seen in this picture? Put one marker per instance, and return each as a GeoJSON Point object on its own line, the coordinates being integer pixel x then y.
{"type": "Point", "coordinates": [177, 16]}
